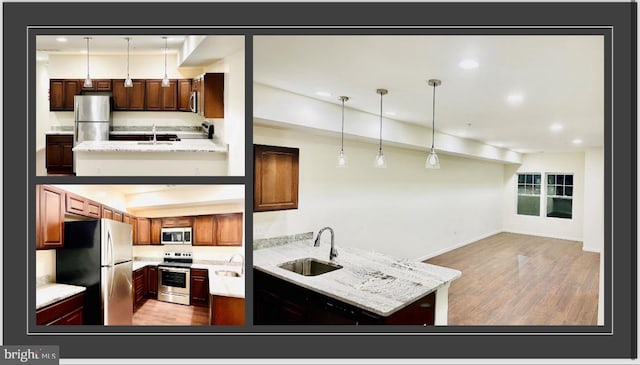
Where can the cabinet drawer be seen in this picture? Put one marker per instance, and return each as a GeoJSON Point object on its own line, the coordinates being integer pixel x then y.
{"type": "Point", "coordinates": [74, 318]}
{"type": "Point", "coordinates": [200, 272]}
{"type": "Point", "coordinates": [55, 312]}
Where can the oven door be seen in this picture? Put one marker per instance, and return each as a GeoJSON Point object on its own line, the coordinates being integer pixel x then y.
{"type": "Point", "coordinates": [174, 284]}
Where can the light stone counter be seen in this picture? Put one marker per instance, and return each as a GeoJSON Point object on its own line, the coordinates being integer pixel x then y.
{"type": "Point", "coordinates": [52, 293]}
{"type": "Point", "coordinates": [185, 145]}
{"type": "Point", "coordinates": [369, 280]}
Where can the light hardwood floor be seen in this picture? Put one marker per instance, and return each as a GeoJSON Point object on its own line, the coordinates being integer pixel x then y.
{"type": "Point", "coordinates": [157, 313]}
{"type": "Point", "coordinates": [513, 279]}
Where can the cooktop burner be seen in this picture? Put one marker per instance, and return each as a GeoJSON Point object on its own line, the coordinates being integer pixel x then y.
{"type": "Point", "coordinates": [177, 259]}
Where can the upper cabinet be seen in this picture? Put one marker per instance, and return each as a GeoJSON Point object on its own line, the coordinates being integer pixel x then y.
{"type": "Point", "coordinates": [49, 217]}
{"type": "Point", "coordinates": [76, 204]}
{"type": "Point", "coordinates": [229, 232]}
{"type": "Point", "coordinates": [61, 94]}
{"type": "Point", "coordinates": [275, 178]}
{"type": "Point", "coordinates": [185, 101]}
{"type": "Point", "coordinates": [211, 95]}
{"type": "Point", "coordinates": [161, 98]}
{"type": "Point", "coordinates": [97, 85]}
{"type": "Point", "coordinates": [128, 98]}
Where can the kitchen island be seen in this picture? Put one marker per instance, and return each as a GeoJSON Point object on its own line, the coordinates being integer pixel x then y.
{"type": "Point", "coordinates": [369, 288]}
{"type": "Point", "coordinates": [187, 157]}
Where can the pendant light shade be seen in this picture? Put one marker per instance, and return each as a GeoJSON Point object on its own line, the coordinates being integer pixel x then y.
{"type": "Point", "coordinates": [379, 161]}
{"type": "Point", "coordinates": [87, 81]}
{"type": "Point", "coordinates": [433, 162]}
{"type": "Point", "coordinates": [127, 81]}
{"type": "Point", "coordinates": [165, 79]}
{"type": "Point", "coordinates": [342, 158]}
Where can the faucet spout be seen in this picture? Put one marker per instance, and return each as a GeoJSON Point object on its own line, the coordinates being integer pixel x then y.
{"type": "Point", "coordinates": [333, 252]}
{"type": "Point", "coordinates": [153, 129]}
{"type": "Point", "coordinates": [241, 261]}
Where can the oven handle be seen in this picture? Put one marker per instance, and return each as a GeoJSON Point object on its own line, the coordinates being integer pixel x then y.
{"type": "Point", "coordinates": [183, 271]}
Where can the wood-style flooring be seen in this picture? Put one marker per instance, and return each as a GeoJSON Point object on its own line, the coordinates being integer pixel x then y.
{"type": "Point", "coordinates": [157, 313]}
{"type": "Point", "coordinates": [513, 279]}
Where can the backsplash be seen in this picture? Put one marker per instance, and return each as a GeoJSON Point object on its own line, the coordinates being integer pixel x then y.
{"type": "Point", "coordinates": [281, 240]}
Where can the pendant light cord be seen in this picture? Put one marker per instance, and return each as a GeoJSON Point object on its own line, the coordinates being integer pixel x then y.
{"type": "Point", "coordinates": [433, 117]}
{"type": "Point", "coordinates": [165, 57]}
{"type": "Point", "coordinates": [380, 147]}
{"type": "Point", "coordinates": [88, 57]}
{"type": "Point", "coordinates": [128, 39]}
{"type": "Point", "coordinates": [342, 130]}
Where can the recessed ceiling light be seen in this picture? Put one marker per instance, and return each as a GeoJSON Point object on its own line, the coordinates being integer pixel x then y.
{"type": "Point", "coordinates": [515, 98]}
{"type": "Point", "coordinates": [556, 127]}
{"type": "Point", "coordinates": [577, 141]}
{"type": "Point", "coordinates": [390, 113]}
{"type": "Point", "coordinates": [323, 93]}
{"type": "Point", "coordinates": [61, 39]}
{"type": "Point", "coordinates": [468, 64]}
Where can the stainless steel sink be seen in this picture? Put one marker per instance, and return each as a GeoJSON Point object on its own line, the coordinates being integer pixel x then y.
{"type": "Point", "coordinates": [157, 142]}
{"type": "Point", "coordinates": [234, 274]}
{"type": "Point", "coordinates": [309, 266]}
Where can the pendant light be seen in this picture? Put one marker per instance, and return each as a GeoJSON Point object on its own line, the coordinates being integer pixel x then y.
{"type": "Point", "coordinates": [87, 81]}
{"type": "Point", "coordinates": [379, 161]}
{"type": "Point", "coordinates": [128, 82]}
{"type": "Point", "coordinates": [165, 79]}
{"type": "Point", "coordinates": [342, 158]}
{"type": "Point", "coordinates": [433, 162]}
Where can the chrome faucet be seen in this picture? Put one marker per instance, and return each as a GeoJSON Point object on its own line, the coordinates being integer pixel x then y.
{"type": "Point", "coordinates": [333, 252]}
{"type": "Point", "coordinates": [241, 261]}
{"type": "Point", "coordinates": [153, 129]}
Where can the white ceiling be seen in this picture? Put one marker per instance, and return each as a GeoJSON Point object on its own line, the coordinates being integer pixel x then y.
{"type": "Point", "coordinates": [202, 50]}
{"type": "Point", "coordinates": [560, 77]}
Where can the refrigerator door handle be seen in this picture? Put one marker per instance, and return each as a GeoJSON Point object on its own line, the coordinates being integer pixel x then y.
{"type": "Point", "coordinates": [110, 246]}
{"type": "Point", "coordinates": [112, 280]}
{"type": "Point", "coordinates": [75, 124]}
{"type": "Point", "coordinates": [192, 104]}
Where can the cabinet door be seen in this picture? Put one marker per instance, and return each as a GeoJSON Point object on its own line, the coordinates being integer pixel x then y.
{"type": "Point", "coordinates": [71, 89]}
{"type": "Point", "coordinates": [156, 229]}
{"type": "Point", "coordinates": [275, 178]}
{"type": "Point", "coordinates": [56, 95]}
{"type": "Point", "coordinates": [50, 217]}
{"type": "Point", "coordinates": [204, 230]}
{"type": "Point", "coordinates": [199, 287]}
{"type": "Point", "coordinates": [120, 95]}
{"type": "Point", "coordinates": [172, 222]}
{"type": "Point", "coordinates": [170, 96]}
{"type": "Point", "coordinates": [107, 212]}
{"type": "Point", "coordinates": [76, 204]}
{"type": "Point", "coordinates": [227, 311]}
{"type": "Point", "coordinates": [213, 95]}
{"type": "Point", "coordinates": [59, 154]}
{"type": "Point", "coordinates": [152, 282]}
{"type": "Point", "coordinates": [92, 209]}
{"type": "Point", "coordinates": [184, 95]}
{"type": "Point", "coordinates": [102, 84]}
{"type": "Point", "coordinates": [117, 215]}
{"type": "Point", "coordinates": [136, 95]}
{"type": "Point", "coordinates": [229, 229]}
{"type": "Point", "coordinates": [134, 229]}
{"type": "Point", "coordinates": [153, 93]}
{"type": "Point", "coordinates": [144, 231]}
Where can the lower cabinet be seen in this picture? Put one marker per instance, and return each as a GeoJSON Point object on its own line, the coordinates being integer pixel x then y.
{"type": "Point", "coordinates": [280, 302]}
{"type": "Point", "coordinates": [66, 312]}
{"type": "Point", "coordinates": [199, 287]}
{"type": "Point", "coordinates": [58, 154]}
{"type": "Point", "coordinates": [152, 282]}
{"type": "Point", "coordinates": [226, 311]}
{"type": "Point", "coordinates": [139, 286]}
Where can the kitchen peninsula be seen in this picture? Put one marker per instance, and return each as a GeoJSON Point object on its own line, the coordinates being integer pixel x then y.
{"type": "Point", "coordinates": [369, 288]}
{"type": "Point", "coordinates": [168, 158]}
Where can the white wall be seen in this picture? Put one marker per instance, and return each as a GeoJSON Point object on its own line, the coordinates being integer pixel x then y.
{"type": "Point", "coordinates": [234, 121]}
{"type": "Point", "coordinates": [404, 210]}
{"type": "Point", "coordinates": [570, 163]}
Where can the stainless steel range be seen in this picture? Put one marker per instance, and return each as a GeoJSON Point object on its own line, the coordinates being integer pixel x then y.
{"type": "Point", "coordinates": [174, 278]}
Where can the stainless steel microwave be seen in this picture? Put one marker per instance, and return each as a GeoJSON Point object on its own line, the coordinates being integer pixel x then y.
{"type": "Point", "coordinates": [176, 236]}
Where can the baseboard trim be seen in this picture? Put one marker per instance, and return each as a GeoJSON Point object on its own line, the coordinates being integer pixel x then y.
{"type": "Point", "coordinates": [567, 238]}
{"type": "Point", "coordinates": [590, 249]}
{"type": "Point", "coordinates": [458, 245]}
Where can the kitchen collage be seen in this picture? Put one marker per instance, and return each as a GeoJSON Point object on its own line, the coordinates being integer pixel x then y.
{"type": "Point", "coordinates": [451, 180]}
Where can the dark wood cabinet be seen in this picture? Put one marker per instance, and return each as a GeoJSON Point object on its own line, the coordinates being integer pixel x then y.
{"type": "Point", "coordinates": [211, 90]}
{"type": "Point", "coordinates": [184, 95]}
{"type": "Point", "coordinates": [226, 311]}
{"type": "Point", "coordinates": [50, 204]}
{"type": "Point", "coordinates": [275, 178]}
{"type": "Point", "coordinates": [62, 92]}
{"type": "Point", "coordinates": [59, 154]}
{"type": "Point", "coordinates": [156, 231]}
{"type": "Point", "coordinates": [107, 212]}
{"type": "Point", "coordinates": [280, 302]}
{"type": "Point", "coordinates": [65, 312]}
{"type": "Point", "coordinates": [139, 286]}
{"type": "Point", "coordinates": [204, 229]}
{"type": "Point", "coordinates": [96, 85]}
{"type": "Point", "coordinates": [143, 231]}
{"type": "Point", "coordinates": [128, 98]}
{"type": "Point", "coordinates": [175, 222]}
{"type": "Point", "coordinates": [161, 98]}
{"type": "Point", "coordinates": [79, 205]}
{"type": "Point", "coordinates": [152, 281]}
{"type": "Point", "coordinates": [199, 287]}
{"type": "Point", "coordinates": [229, 229]}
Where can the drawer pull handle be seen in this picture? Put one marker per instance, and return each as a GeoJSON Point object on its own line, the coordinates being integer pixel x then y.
{"type": "Point", "coordinates": [425, 305]}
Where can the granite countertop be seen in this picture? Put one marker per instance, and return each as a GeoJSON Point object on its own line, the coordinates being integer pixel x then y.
{"type": "Point", "coordinates": [51, 293]}
{"type": "Point", "coordinates": [185, 145]}
{"type": "Point", "coordinates": [370, 280]}
{"type": "Point", "coordinates": [225, 286]}
{"type": "Point", "coordinates": [63, 132]}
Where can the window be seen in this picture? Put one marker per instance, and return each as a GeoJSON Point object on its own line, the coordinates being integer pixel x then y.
{"type": "Point", "coordinates": [529, 194]}
{"type": "Point", "coordinates": [559, 195]}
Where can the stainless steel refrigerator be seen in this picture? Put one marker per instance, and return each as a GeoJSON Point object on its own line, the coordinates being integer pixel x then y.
{"type": "Point", "coordinates": [92, 114]}
{"type": "Point", "coordinates": [97, 254]}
